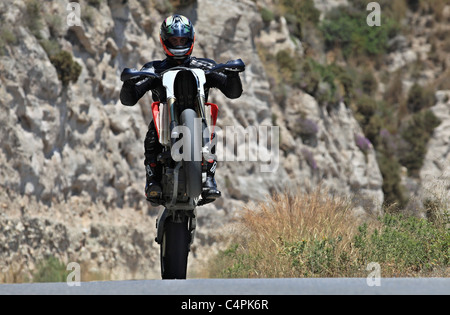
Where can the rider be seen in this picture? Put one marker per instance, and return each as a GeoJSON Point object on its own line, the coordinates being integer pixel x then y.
{"type": "Point", "coordinates": [177, 39]}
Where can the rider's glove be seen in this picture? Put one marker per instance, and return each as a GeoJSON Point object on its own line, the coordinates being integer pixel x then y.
{"type": "Point", "coordinates": [143, 84]}
{"type": "Point", "coordinates": [231, 74]}
{"type": "Point", "coordinates": [216, 77]}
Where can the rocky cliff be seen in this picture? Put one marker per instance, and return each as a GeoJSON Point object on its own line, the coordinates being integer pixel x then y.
{"type": "Point", "coordinates": [72, 173]}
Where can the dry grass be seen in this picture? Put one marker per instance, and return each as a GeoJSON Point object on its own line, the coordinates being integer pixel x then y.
{"type": "Point", "coordinates": [316, 235]}
{"type": "Point", "coordinates": [277, 231]}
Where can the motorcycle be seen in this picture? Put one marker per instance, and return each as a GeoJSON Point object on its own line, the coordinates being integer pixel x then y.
{"type": "Point", "coordinates": [181, 128]}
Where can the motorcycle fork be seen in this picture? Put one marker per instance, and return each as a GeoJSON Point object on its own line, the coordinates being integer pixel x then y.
{"type": "Point", "coordinates": [177, 216]}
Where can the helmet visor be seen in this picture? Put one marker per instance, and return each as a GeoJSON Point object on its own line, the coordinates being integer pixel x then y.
{"type": "Point", "coordinates": [177, 42]}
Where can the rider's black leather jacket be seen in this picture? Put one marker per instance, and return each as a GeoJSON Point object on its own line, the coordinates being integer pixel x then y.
{"type": "Point", "coordinates": [229, 84]}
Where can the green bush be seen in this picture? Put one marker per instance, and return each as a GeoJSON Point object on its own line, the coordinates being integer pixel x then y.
{"type": "Point", "coordinates": [369, 84]}
{"type": "Point", "coordinates": [419, 98]}
{"type": "Point", "coordinates": [316, 257]}
{"type": "Point", "coordinates": [267, 15]}
{"type": "Point", "coordinates": [299, 14]}
{"type": "Point", "coordinates": [68, 70]}
{"type": "Point", "coordinates": [327, 83]}
{"type": "Point", "coordinates": [418, 130]}
{"type": "Point", "coordinates": [394, 193]}
{"type": "Point", "coordinates": [51, 46]}
{"type": "Point", "coordinates": [7, 37]}
{"type": "Point", "coordinates": [33, 17]}
{"type": "Point", "coordinates": [306, 77]}
{"type": "Point", "coordinates": [367, 113]}
{"type": "Point", "coordinates": [347, 28]}
{"type": "Point", "coordinates": [50, 270]}
{"type": "Point", "coordinates": [366, 107]}
{"type": "Point", "coordinates": [405, 244]}
{"type": "Point", "coordinates": [285, 61]}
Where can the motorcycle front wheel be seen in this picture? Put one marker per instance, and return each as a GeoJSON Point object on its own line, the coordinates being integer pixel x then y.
{"type": "Point", "coordinates": [175, 248]}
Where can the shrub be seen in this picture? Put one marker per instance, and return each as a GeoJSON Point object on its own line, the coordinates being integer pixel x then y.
{"type": "Point", "coordinates": [300, 14]}
{"type": "Point", "coordinates": [306, 77]}
{"type": "Point", "coordinates": [291, 235]}
{"type": "Point", "coordinates": [327, 92]}
{"type": "Point", "coordinates": [51, 46]}
{"type": "Point", "coordinates": [416, 133]}
{"type": "Point", "coordinates": [68, 70]}
{"type": "Point", "coordinates": [329, 84]}
{"type": "Point", "coordinates": [267, 15]}
{"type": "Point", "coordinates": [55, 25]}
{"type": "Point", "coordinates": [369, 84]}
{"type": "Point", "coordinates": [419, 98]}
{"type": "Point", "coordinates": [347, 28]}
{"type": "Point", "coordinates": [433, 211]}
{"type": "Point", "coordinates": [365, 113]}
{"type": "Point", "coordinates": [387, 141]}
{"type": "Point", "coordinates": [33, 18]}
{"type": "Point", "coordinates": [372, 129]}
{"type": "Point", "coordinates": [394, 193]}
{"type": "Point", "coordinates": [50, 270]}
{"type": "Point", "coordinates": [286, 62]}
{"type": "Point", "coordinates": [404, 245]}
{"type": "Point", "coordinates": [7, 37]}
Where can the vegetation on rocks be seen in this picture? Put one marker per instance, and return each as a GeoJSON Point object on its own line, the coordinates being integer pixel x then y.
{"type": "Point", "coordinates": [351, 68]}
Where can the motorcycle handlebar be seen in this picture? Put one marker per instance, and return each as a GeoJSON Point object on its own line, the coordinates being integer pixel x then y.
{"type": "Point", "coordinates": [232, 65]}
{"type": "Point", "coordinates": [132, 74]}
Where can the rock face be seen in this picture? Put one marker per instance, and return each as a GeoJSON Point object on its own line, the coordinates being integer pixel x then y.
{"type": "Point", "coordinates": [72, 156]}
{"type": "Point", "coordinates": [435, 172]}
{"type": "Point", "coordinates": [331, 150]}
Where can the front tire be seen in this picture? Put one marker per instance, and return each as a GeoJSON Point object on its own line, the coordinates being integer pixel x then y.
{"type": "Point", "coordinates": [175, 248]}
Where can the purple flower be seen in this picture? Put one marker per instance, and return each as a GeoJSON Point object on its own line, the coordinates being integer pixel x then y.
{"type": "Point", "coordinates": [309, 158]}
{"type": "Point", "coordinates": [363, 143]}
{"type": "Point", "coordinates": [388, 140]}
{"type": "Point", "coordinates": [384, 133]}
{"type": "Point", "coordinates": [308, 127]}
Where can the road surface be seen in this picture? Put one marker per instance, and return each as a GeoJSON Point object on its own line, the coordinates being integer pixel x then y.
{"type": "Point", "coordinates": [301, 286]}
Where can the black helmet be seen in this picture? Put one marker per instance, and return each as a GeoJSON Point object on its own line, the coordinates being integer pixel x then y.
{"type": "Point", "coordinates": [177, 36]}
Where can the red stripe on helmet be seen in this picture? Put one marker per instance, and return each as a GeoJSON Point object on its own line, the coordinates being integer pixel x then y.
{"type": "Point", "coordinates": [165, 48]}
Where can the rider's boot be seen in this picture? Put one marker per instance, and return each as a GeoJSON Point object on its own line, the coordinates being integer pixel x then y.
{"type": "Point", "coordinates": [210, 190]}
{"type": "Point", "coordinates": [153, 190]}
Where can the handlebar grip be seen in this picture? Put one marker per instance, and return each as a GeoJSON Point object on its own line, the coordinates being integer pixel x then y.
{"type": "Point", "coordinates": [131, 74]}
{"type": "Point", "coordinates": [232, 65]}
{"type": "Point", "coordinates": [237, 64]}
{"type": "Point", "coordinates": [128, 74]}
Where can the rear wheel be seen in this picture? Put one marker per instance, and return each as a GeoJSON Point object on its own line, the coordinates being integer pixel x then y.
{"type": "Point", "coordinates": [193, 165]}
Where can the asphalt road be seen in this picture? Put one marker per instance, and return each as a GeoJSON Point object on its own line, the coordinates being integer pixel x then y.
{"type": "Point", "coordinates": [301, 286]}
